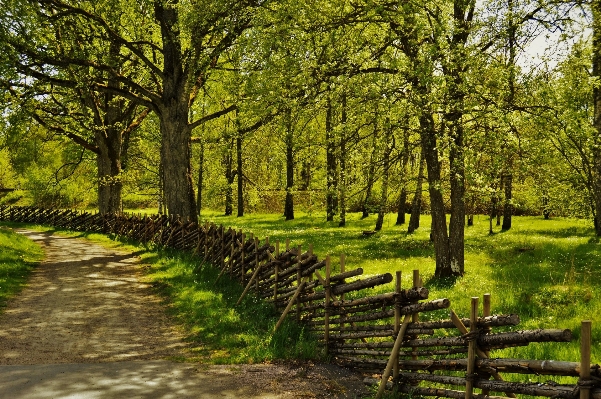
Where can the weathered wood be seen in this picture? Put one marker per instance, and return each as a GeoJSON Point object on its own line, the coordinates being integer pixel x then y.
{"type": "Point", "coordinates": [500, 340]}
{"type": "Point", "coordinates": [471, 351]}
{"type": "Point", "coordinates": [483, 322]}
{"type": "Point", "coordinates": [287, 310]}
{"type": "Point", "coordinates": [328, 289]}
{"type": "Point", "coordinates": [443, 393]}
{"type": "Point", "coordinates": [409, 309]}
{"type": "Point", "coordinates": [393, 356]}
{"type": "Point", "coordinates": [483, 355]}
{"type": "Point", "coordinates": [357, 351]}
{"type": "Point", "coordinates": [534, 389]}
{"type": "Point", "coordinates": [585, 359]}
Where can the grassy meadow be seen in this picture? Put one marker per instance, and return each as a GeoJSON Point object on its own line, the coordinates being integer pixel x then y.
{"type": "Point", "coordinates": [546, 271]}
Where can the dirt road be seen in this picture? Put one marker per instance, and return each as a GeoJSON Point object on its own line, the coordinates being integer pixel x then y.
{"type": "Point", "coordinates": [86, 327]}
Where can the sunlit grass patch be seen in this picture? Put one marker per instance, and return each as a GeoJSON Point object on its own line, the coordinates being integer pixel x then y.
{"type": "Point", "coordinates": [18, 257]}
{"type": "Point", "coordinates": [220, 331]}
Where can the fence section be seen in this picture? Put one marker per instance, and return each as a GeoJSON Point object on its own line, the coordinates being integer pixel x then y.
{"type": "Point", "coordinates": [377, 334]}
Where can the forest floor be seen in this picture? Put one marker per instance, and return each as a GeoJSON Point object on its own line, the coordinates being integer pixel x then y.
{"type": "Point", "coordinates": [86, 326]}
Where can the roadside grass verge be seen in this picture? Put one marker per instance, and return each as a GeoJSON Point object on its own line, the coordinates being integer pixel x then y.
{"type": "Point", "coordinates": [18, 257]}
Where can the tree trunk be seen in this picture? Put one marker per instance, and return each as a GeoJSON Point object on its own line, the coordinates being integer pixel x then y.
{"type": "Point", "coordinates": [546, 209]}
{"type": "Point", "coordinates": [306, 175]}
{"type": "Point", "coordinates": [401, 211]}
{"type": "Point", "coordinates": [384, 199]}
{"type": "Point", "coordinates": [596, 189]}
{"type": "Point", "coordinates": [109, 179]}
{"type": "Point", "coordinates": [439, 222]}
{"type": "Point", "coordinates": [342, 183]}
{"type": "Point", "coordinates": [332, 181]}
{"type": "Point", "coordinates": [416, 204]}
{"type": "Point", "coordinates": [229, 177]}
{"type": "Point", "coordinates": [240, 175]}
{"type": "Point", "coordinates": [457, 222]}
{"type": "Point", "coordinates": [370, 173]}
{"type": "Point", "coordinates": [507, 206]}
{"type": "Point", "coordinates": [161, 196]}
{"type": "Point", "coordinates": [201, 161]}
{"type": "Point", "coordinates": [109, 140]}
{"type": "Point", "coordinates": [289, 204]}
{"type": "Point", "coordinates": [174, 109]}
{"type": "Point", "coordinates": [175, 154]}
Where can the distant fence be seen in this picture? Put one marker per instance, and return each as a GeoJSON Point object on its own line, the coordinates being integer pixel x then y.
{"type": "Point", "coordinates": [379, 334]}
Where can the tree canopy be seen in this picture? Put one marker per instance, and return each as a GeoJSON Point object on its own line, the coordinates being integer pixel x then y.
{"type": "Point", "coordinates": [340, 106]}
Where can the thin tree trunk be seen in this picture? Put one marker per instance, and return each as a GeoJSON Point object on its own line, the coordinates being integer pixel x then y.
{"type": "Point", "coordinates": [371, 171]}
{"type": "Point", "coordinates": [342, 182]}
{"type": "Point", "coordinates": [596, 173]}
{"type": "Point", "coordinates": [240, 175]}
{"type": "Point", "coordinates": [201, 161]}
{"type": "Point", "coordinates": [332, 183]}
{"type": "Point", "coordinates": [546, 209]}
{"type": "Point", "coordinates": [416, 204]}
{"type": "Point", "coordinates": [401, 211]}
{"type": "Point", "coordinates": [289, 202]}
{"type": "Point", "coordinates": [401, 208]}
{"type": "Point", "coordinates": [229, 177]}
{"type": "Point", "coordinates": [384, 198]}
{"type": "Point", "coordinates": [498, 212]}
{"type": "Point", "coordinates": [439, 223]}
{"type": "Point", "coordinates": [507, 206]}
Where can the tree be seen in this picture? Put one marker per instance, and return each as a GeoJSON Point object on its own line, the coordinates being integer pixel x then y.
{"type": "Point", "coordinates": [180, 46]}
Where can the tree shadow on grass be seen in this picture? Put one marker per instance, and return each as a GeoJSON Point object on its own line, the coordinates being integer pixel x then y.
{"type": "Point", "coordinates": [222, 331]}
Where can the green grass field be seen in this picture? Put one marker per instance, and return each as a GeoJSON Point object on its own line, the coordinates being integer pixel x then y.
{"type": "Point", "coordinates": [546, 271]}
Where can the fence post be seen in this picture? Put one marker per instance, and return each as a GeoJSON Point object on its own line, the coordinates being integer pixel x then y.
{"type": "Point", "coordinates": [485, 313]}
{"type": "Point", "coordinates": [585, 360]}
{"type": "Point", "coordinates": [257, 266]}
{"type": "Point", "coordinates": [298, 283]}
{"type": "Point", "coordinates": [417, 283]}
{"type": "Point", "coordinates": [326, 333]}
{"type": "Point", "coordinates": [342, 270]}
{"type": "Point", "coordinates": [471, 354]}
{"type": "Point", "coordinates": [397, 321]}
{"type": "Point", "coordinates": [242, 271]}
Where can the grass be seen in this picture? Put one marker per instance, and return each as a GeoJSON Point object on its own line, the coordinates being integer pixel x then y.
{"type": "Point", "coordinates": [546, 271]}
{"type": "Point", "coordinates": [18, 257]}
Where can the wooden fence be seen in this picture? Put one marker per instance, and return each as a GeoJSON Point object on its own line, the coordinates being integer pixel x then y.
{"type": "Point", "coordinates": [378, 334]}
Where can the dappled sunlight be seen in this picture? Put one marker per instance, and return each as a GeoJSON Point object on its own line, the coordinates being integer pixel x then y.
{"type": "Point", "coordinates": [143, 380]}
{"type": "Point", "coordinates": [76, 310]}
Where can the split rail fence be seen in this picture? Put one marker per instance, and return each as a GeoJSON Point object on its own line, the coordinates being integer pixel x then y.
{"type": "Point", "coordinates": [378, 334]}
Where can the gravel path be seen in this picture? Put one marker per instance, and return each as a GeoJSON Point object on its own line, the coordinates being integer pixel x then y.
{"type": "Point", "coordinates": [86, 327]}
